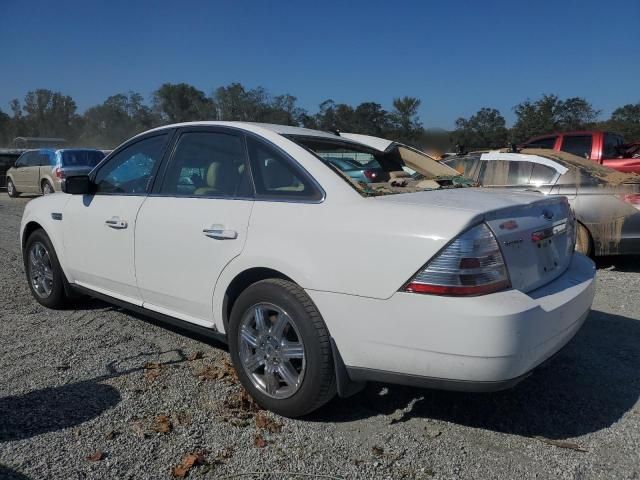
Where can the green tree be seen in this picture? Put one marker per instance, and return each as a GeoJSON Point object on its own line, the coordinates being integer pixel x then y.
{"type": "Point", "coordinates": [181, 102]}
{"type": "Point", "coordinates": [119, 117]}
{"type": "Point", "coordinates": [284, 111]}
{"type": "Point", "coordinates": [550, 114]}
{"type": "Point", "coordinates": [5, 128]}
{"type": "Point", "coordinates": [405, 124]}
{"type": "Point", "coordinates": [234, 102]}
{"type": "Point", "coordinates": [486, 129]}
{"type": "Point", "coordinates": [47, 114]}
{"type": "Point", "coordinates": [370, 119]}
{"type": "Point", "coordinates": [626, 121]}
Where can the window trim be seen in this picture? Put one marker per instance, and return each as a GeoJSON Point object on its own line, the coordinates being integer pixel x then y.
{"type": "Point", "coordinates": [170, 156]}
{"type": "Point", "coordinates": [168, 132]}
{"type": "Point", "coordinates": [244, 134]}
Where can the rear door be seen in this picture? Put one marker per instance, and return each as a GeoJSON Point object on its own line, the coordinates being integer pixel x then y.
{"type": "Point", "coordinates": [194, 223]}
{"type": "Point", "coordinates": [99, 228]}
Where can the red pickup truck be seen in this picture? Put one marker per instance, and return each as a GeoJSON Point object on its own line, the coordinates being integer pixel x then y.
{"type": "Point", "coordinates": [605, 148]}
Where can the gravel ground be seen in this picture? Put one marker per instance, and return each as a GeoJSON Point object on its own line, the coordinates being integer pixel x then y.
{"type": "Point", "coordinates": [100, 393]}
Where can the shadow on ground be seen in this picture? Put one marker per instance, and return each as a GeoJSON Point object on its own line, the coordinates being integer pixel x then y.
{"type": "Point", "coordinates": [589, 386]}
{"type": "Point", "coordinates": [620, 263]}
{"type": "Point", "coordinates": [51, 409]}
{"type": "Point", "coordinates": [8, 474]}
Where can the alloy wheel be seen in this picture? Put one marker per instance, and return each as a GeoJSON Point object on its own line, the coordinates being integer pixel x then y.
{"type": "Point", "coordinates": [271, 350]}
{"type": "Point", "coordinates": [40, 270]}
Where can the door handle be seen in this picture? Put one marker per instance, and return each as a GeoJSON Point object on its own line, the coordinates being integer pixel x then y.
{"type": "Point", "coordinates": [115, 222]}
{"type": "Point", "coordinates": [219, 232]}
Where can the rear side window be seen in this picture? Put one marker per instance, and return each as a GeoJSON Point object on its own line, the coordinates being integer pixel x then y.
{"type": "Point", "coordinates": [503, 172]}
{"type": "Point", "coordinates": [578, 145]}
{"type": "Point", "coordinates": [277, 177]}
{"type": "Point", "coordinates": [208, 164]}
{"type": "Point", "coordinates": [546, 142]}
{"type": "Point", "coordinates": [32, 159]}
{"type": "Point", "coordinates": [81, 158]}
{"type": "Point", "coordinates": [466, 166]}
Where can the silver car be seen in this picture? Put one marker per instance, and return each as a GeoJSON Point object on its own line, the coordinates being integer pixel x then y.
{"type": "Point", "coordinates": [42, 171]}
{"type": "Point", "coordinates": [606, 202]}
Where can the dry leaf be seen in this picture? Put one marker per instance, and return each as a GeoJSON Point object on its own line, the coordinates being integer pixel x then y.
{"type": "Point", "coordinates": [188, 462]}
{"type": "Point", "coordinates": [96, 457]}
{"type": "Point", "coordinates": [161, 424]}
{"type": "Point", "coordinates": [195, 356]}
{"type": "Point", "coordinates": [266, 423]}
{"type": "Point", "coordinates": [182, 418]}
{"type": "Point", "coordinates": [138, 428]}
{"type": "Point", "coordinates": [152, 370]}
{"type": "Point", "coordinates": [111, 435]}
{"type": "Point", "coordinates": [259, 442]}
{"type": "Point", "coordinates": [377, 450]}
{"type": "Point", "coordinates": [241, 402]}
{"type": "Point", "coordinates": [562, 444]}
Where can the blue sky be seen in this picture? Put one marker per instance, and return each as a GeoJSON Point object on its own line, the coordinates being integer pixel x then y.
{"type": "Point", "coordinates": [457, 56]}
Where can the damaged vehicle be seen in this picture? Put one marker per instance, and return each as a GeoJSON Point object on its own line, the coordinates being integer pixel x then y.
{"type": "Point", "coordinates": [317, 282]}
{"type": "Point", "coordinates": [606, 202]}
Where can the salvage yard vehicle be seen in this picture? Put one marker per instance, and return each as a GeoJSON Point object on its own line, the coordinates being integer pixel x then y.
{"type": "Point", "coordinates": [42, 171]}
{"type": "Point", "coordinates": [318, 283]}
{"type": "Point", "coordinates": [605, 148]}
{"type": "Point", "coordinates": [606, 202]}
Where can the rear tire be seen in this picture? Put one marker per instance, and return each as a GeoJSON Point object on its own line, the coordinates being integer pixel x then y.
{"type": "Point", "coordinates": [289, 373]}
{"type": "Point", "coordinates": [584, 244]}
{"type": "Point", "coordinates": [11, 189]}
{"type": "Point", "coordinates": [47, 188]}
{"type": "Point", "coordinates": [44, 274]}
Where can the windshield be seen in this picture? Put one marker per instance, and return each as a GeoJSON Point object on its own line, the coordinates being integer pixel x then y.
{"type": "Point", "coordinates": [374, 173]}
{"type": "Point", "coordinates": [81, 158]}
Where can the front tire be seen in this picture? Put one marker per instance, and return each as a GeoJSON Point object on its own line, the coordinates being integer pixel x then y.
{"type": "Point", "coordinates": [280, 347]}
{"type": "Point", "coordinates": [47, 188]}
{"type": "Point", "coordinates": [44, 274]}
{"type": "Point", "coordinates": [11, 189]}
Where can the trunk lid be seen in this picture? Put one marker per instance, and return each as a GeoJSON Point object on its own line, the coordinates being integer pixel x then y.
{"type": "Point", "coordinates": [535, 232]}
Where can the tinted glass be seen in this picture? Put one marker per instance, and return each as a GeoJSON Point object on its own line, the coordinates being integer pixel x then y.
{"type": "Point", "coordinates": [208, 164]}
{"type": "Point", "coordinates": [542, 175]}
{"type": "Point", "coordinates": [610, 147]}
{"type": "Point", "coordinates": [503, 172]}
{"type": "Point", "coordinates": [275, 176]}
{"type": "Point", "coordinates": [32, 159]}
{"type": "Point", "coordinates": [547, 142]}
{"type": "Point", "coordinates": [130, 170]}
{"type": "Point", "coordinates": [45, 159]}
{"type": "Point", "coordinates": [81, 158]}
{"type": "Point", "coordinates": [578, 145]}
{"type": "Point", "coordinates": [467, 166]}
{"type": "Point", "coordinates": [22, 160]}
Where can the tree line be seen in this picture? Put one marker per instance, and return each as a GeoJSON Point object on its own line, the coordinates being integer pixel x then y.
{"type": "Point", "coordinates": [45, 113]}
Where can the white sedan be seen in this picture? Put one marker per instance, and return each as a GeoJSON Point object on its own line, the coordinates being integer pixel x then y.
{"type": "Point", "coordinates": [317, 282]}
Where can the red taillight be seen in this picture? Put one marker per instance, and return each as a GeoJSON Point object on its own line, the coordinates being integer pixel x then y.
{"type": "Point", "coordinates": [59, 173]}
{"type": "Point", "coordinates": [470, 265]}
{"type": "Point", "coordinates": [370, 175]}
{"type": "Point", "coordinates": [632, 198]}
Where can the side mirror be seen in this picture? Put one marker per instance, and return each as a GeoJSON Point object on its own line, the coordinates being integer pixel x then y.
{"type": "Point", "coordinates": [77, 185]}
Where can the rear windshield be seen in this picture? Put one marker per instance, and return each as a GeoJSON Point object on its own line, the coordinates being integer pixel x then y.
{"type": "Point", "coordinates": [374, 173]}
{"type": "Point", "coordinates": [81, 158]}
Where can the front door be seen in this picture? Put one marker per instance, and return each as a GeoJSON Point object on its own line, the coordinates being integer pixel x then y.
{"type": "Point", "coordinates": [193, 224]}
{"type": "Point", "coordinates": [99, 228]}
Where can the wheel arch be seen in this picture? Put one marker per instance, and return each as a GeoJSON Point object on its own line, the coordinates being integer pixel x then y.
{"type": "Point", "coordinates": [240, 282]}
{"type": "Point", "coordinates": [28, 229]}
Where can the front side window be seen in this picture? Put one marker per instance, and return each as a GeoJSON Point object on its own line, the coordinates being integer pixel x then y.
{"type": "Point", "coordinates": [131, 170]}
{"type": "Point", "coordinates": [579, 145]}
{"type": "Point", "coordinates": [276, 177]}
{"type": "Point", "coordinates": [546, 142]}
{"type": "Point", "coordinates": [22, 160]}
{"type": "Point", "coordinates": [208, 164]}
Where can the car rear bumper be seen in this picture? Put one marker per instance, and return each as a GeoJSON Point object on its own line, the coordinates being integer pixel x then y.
{"type": "Point", "coordinates": [474, 344]}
